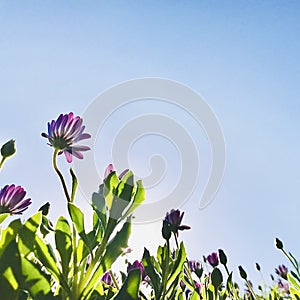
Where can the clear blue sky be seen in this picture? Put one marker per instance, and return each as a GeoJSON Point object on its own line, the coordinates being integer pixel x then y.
{"type": "Point", "coordinates": [242, 56]}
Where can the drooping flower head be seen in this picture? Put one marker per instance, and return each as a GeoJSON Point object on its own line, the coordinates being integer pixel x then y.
{"type": "Point", "coordinates": [12, 200]}
{"type": "Point", "coordinates": [282, 271]}
{"type": "Point", "coordinates": [213, 259]}
{"type": "Point", "coordinates": [64, 133]}
{"type": "Point", "coordinates": [137, 265]}
{"type": "Point", "coordinates": [174, 218]}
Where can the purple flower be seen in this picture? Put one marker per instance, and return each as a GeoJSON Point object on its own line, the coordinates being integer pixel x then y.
{"type": "Point", "coordinates": [137, 265]}
{"type": "Point", "coordinates": [194, 265]}
{"type": "Point", "coordinates": [106, 278]}
{"type": "Point", "coordinates": [64, 133]}
{"type": "Point", "coordinates": [174, 218]}
{"type": "Point", "coordinates": [12, 200]}
{"type": "Point", "coordinates": [110, 168]}
{"type": "Point", "coordinates": [282, 271]}
{"type": "Point", "coordinates": [213, 259]}
{"type": "Point", "coordinates": [283, 286]}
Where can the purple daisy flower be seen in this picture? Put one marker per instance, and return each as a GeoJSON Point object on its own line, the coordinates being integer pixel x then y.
{"type": "Point", "coordinates": [12, 200]}
{"type": "Point", "coordinates": [282, 271]}
{"type": "Point", "coordinates": [174, 218]}
{"type": "Point", "coordinates": [213, 259]}
{"type": "Point", "coordinates": [137, 265]}
{"type": "Point", "coordinates": [64, 133]}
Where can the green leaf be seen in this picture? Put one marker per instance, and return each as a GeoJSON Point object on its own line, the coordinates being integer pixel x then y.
{"type": "Point", "coordinates": [178, 266]}
{"type": "Point", "coordinates": [123, 197]}
{"type": "Point", "coordinates": [116, 246]}
{"type": "Point", "coordinates": [27, 233]}
{"type": "Point", "coordinates": [99, 205]}
{"type": "Point", "coordinates": [195, 296]}
{"type": "Point", "coordinates": [45, 254]}
{"type": "Point", "coordinates": [36, 282]}
{"type": "Point", "coordinates": [150, 271]}
{"type": "Point", "coordinates": [293, 281]}
{"type": "Point", "coordinates": [63, 241]}
{"type": "Point", "coordinates": [77, 217]}
{"type": "Point", "coordinates": [3, 217]}
{"type": "Point", "coordinates": [8, 234]}
{"type": "Point", "coordinates": [130, 288]}
{"type": "Point", "coordinates": [74, 184]}
{"type": "Point", "coordinates": [138, 199]}
{"type": "Point", "coordinates": [110, 184]}
{"type": "Point", "coordinates": [113, 250]}
{"type": "Point", "coordinates": [78, 220]}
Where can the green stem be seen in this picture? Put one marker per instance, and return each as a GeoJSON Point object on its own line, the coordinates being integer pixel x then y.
{"type": "Point", "coordinates": [114, 279]}
{"type": "Point", "coordinates": [166, 273]}
{"type": "Point", "coordinates": [75, 271]}
{"type": "Point", "coordinates": [60, 175]}
{"type": "Point", "coordinates": [292, 262]}
{"type": "Point", "coordinates": [186, 268]}
{"type": "Point", "coordinates": [99, 252]}
{"type": "Point", "coordinates": [251, 289]}
{"type": "Point", "coordinates": [2, 162]}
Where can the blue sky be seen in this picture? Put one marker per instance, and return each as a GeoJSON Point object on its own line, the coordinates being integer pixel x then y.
{"type": "Point", "coordinates": [242, 57]}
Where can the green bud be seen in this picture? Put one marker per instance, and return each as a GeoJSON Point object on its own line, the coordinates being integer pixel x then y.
{"type": "Point", "coordinates": [8, 149]}
{"type": "Point", "coordinates": [279, 244]}
{"type": "Point", "coordinates": [243, 273]}
{"type": "Point", "coordinates": [216, 278]}
{"type": "Point", "coordinates": [257, 267]}
{"type": "Point", "coordinates": [222, 257]}
{"type": "Point", "coordinates": [166, 230]}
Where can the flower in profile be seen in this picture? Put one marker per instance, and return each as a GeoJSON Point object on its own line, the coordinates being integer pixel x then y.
{"type": "Point", "coordinates": [64, 132]}
{"type": "Point", "coordinates": [283, 286]}
{"type": "Point", "coordinates": [137, 265]}
{"type": "Point", "coordinates": [213, 259]}
{"type": "Point", "coordinates": [106, 278]}
{"type": "Point", "coordinates": [110, 168]}
{"type": "Point", "coordinates": [174, 218]}
{"type": "Point", "coordinates": [12, 200]}
{"type": "Point", "coordinates": [282, 271]}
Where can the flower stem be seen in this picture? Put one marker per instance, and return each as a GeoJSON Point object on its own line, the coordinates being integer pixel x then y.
{"type": "Point", "coordinates": [60, 175]}
{"type": "Point", "coordinates": [2, 161]}
{"type": "Point", "coordinates": [114, 279]}
{"type": "Point", "coordinates": [186, 268]}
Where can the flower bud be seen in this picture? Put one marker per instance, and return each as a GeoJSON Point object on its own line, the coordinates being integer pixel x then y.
{"type": "Point", "coordinates": [279, 244]}
{"type": "Point", "coordinates": [243, 273]}
{"type": "Point", "coordinates": [166, 230]}
{"type": "Point", "coordinates": [222, 257]}
{"type": "Point", "coordinates": [8, 149]}
{"type": "Point", "coordinates": [257, 267]}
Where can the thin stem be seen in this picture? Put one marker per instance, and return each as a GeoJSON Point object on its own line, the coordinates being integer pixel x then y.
{"type": "Point", "coordinates": [2, 161]}
{"type": "Point", "coordinates": [114, 279]}
{"type": "Point", "coordinates": [186, 268]}
{"type": "Point", "coordinates": [166, 273]}
{"type": "Point", "coordinates": [75, 271]}
{"type": "Point", "coordinates": [292, 262]}
{"type": "Point", "coordinates": [61, 177]}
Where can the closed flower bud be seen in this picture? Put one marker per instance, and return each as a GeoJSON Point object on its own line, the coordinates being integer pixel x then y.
{"type": "Point", "coordinates": [8, 149]}
{"type": "Point", "coordinates": [279, 244]}
{"type": "Point", "coordinates": [166, 230]}
{"type": "Point", "coordinates": [257, 267]}
{"type": "Point", "coordinates": [243, 273]}
{"type": "Point", "coordinates": [222, 257]}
